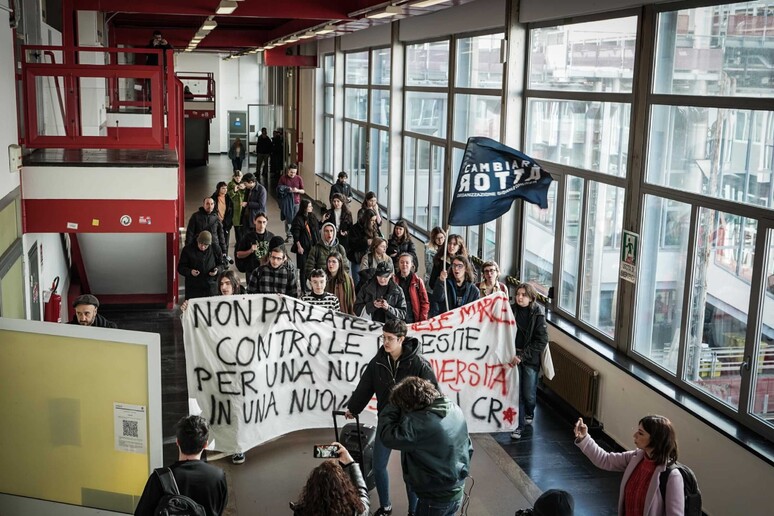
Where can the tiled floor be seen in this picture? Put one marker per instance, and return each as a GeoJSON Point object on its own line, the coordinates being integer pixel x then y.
{"type": "Point", "coordinates": [546, 453]}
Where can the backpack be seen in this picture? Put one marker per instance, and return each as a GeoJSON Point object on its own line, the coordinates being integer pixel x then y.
{"type": "Point", "coordinates": [691, 491]}
{"type": "Point", "coordinates": [172, 503]}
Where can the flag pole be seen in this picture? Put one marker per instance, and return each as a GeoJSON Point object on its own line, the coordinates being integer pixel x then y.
{"type": "Point", "coordinates": [445, 257]}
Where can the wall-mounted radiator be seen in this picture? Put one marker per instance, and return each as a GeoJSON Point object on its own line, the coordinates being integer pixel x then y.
{"type": "Point", "coordinates": [574, 382]}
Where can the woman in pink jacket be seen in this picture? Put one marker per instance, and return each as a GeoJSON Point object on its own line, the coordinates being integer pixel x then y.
{"type": "Point", "coordinates": [640, 494]}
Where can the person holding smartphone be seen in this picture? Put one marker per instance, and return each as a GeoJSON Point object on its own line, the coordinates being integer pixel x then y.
{"type": "Point", "coordinates": [333, 488]}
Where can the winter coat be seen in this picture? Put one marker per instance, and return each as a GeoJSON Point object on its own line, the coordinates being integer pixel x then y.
{"type": "Point", "coordinates": [438, 301]}
{"type": "Point", "coordinates": [383, 373]}
{"type": "Point", "coordinates": [420, 303]}
{"type": "Point", "coordinates": [305, 232]}
{"type": "Point", "coordinates": [345, 225]}
{"type": "Point", "coordinates": [203, 221]}
{"type": "Point", "coordinates": [395, 249]}
{"type": "Point", "coordinates": [191, 258]}
{"type": "Point", "coordinates": [535, 337]}
{"type": "Point", "coordinates": [372, 291]}
{"type": "Point", "coordinates": [317, 256]}
{"type": "Point", "coordinates": [256, 203]}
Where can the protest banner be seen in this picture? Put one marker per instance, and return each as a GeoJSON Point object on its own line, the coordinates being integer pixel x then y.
{"type": "Point", "coordinates": [261, 366]}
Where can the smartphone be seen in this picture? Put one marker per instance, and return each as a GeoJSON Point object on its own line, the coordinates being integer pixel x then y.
{"type": "Point", "coordinates": [326, 451]}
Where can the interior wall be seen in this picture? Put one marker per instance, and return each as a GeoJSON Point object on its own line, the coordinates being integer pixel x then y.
{"type": "Point", "coordinates": [9, 179]}
{"type": "Point", "coordinates": [202, 62]}
{"type": "Point", "coordinates": [539, 10]}
{"type": "Point", "coordinates": [715, 459]}
{"type": "Point", "coordinates": [474, 16]}
{"type": "Point", "coordinates": [51, 263]}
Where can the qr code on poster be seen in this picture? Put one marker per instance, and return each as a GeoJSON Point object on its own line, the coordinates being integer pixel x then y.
{"type": "Point", "coordinates": [130, 429]}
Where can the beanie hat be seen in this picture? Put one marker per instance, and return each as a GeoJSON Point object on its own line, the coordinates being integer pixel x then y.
{"type": "Point", "coordinates": [554, 502]}
{"type": "Point", "coordinates": [205, 237]}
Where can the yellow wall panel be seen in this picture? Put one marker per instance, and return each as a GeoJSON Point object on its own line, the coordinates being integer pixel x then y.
{"type": "Point", "coordinates": [12, 289]}
{"type": "Point", "coordinates": [8, 226]}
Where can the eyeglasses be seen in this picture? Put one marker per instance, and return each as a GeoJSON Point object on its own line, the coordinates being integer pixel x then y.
{"type": "Point", "coordinates": [458, 266]}
{"type": "Point", "coordinates": [490, 271]}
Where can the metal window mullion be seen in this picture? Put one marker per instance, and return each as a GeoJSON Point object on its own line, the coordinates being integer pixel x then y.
{"type": "Point", "coordinates": [420, 136]}
{"type": "Point", "coordinates": [561, 195]}
{"type": "Point", "coordinates": [724, 205]}
{"type": "Point", "coordinates": [581, 96]}
{"type": "Point", "coordinates": [751, 103]}
{"type": "Point", "coordinates": [582, 230]}
{"type": "Point", "coordinates": [687, 297]}
{"type": "Point", "coordinates": [599, 177]}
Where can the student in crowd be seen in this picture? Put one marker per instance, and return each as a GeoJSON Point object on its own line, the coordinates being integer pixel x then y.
{"type": "Point", "coordinates": [531, 340]}
{"type": "Point", "coordinates": [455, 245]}
{"type": "Point", "coordinates": [656, 448]}
{"type": "Point", "coordinates": [490, 283]}
{"type": "Point", "coordinates": [340, 283]}
{"type": "Point", "coordinates": [236, 153]}
{"type": "Point", "coordinates": [377, 253]}
{"type": "Point", "coordinates": [459, 288]}
{"type": "Point", "coordinates": [305, 236]}
{"type": "Point", "coordinates": [275, 277]}
{"type": "Point", "coordinates": [340, 216]}
{"type": "Point", "coordinates": [86, 307]}
{"type": "Point", "coordinates": [360, 237]}
{"type": "Point", "coordinates": [205, 219]}
{"type": "Point", "coordinates": [203, 483]}
{"type": "Point", "coordinates": [254, 201]}
{"type": "Point", "coordinates": [254, 245]}
{"type": "Point", "coordinates": [294, 185]}
{"type": "Point", "coordinates": [417, 302]}
{"type": "Point", "coordinates": [277, 154]}
{"type": "Point", "coordinates": [436, 243]}
{"type": "Point", "coordinates": [263, 148]}
{"type": "Point", "coordinates": [200, 264]}
{"type": "Point", "coordinates": [342, 188]}
{"type": "Point", "coordinates": [334, 488]}
{"type": "Point", "coordinates": [318, 296]}
{"type": "Point", "coordinates": [224, 209]}
{"type": "Point", "coordinates": [400, 242]}
{"type": "Point", "coordinates": [553, 502]}
{"type": "Point", "coordinates": [236, 192]}
{"type": "Point", "coordinates": [317, 257]}
{"type": "Point", "coordinates": [380, 298]}
{"type": "Point", "coordinates": [228, 284]}
{"type": "Point", "coordinates": [396, 359]}
{"type": "Point", "coordinates": [370, 202]}
{"type": "Point", "coordinates": [432, 435]}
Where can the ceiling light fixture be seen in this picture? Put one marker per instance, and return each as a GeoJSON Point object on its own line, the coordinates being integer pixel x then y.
{"type": "Point", "coordinates": [291, 39]}
{"type": "Point", "coordinates": [226, 7]}
{"type": "Point", "coordinates": [428, 3]}
{"type": "Point", "coordinates": [325, 30]}
{"type": "Point", "coordinates": [388, 12]}
{"type": "Point", "coordinates": [209, 25]}
{"type": "Point", "coordinates": [307, 35]}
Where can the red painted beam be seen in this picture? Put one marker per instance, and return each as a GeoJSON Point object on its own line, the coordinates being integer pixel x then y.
{"type": "Point", "coordinates": [277, 57]}
{"type": "Point", "coordinates": [99, 216]}
{"type": "Point", "coordinates": [293, 9]}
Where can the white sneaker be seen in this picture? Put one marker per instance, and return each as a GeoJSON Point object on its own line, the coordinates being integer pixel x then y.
{"type": "Point", "coordinates": [516, 434]}
{"type": "Point", "coordinates": [238, 458]}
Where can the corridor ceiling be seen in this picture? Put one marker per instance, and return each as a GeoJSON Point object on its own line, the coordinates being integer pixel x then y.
{"type": "Point", "coordinates": [253, 24]}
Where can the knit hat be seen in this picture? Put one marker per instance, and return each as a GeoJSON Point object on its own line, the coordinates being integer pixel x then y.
{"type": "Point", "coordinates": [554, 502]}
{"type": "Point", "coordinates": [86, 299]}
{"type": "Point", "coordinates": [382, 269]}
{"type": "Point", "coordinates": [205, 238]}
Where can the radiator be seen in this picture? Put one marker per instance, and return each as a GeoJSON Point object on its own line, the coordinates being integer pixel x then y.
{"type": "Point", "coordinates": [574, 382]}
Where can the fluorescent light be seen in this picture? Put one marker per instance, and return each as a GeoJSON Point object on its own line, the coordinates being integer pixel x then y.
{"type": "Point", "coordinates": [325, 30]}
{"type": "Point", "coordinates": [209, 25]}
{"type": "Point", "coordinates": [226, 7]}
{"type": "Point", "coordinates": [202, 34]}
{"type": "Point", "coordinates": [269, 47]}
{"type": "Point", "coordinates": [307, 35]}
{"type": "Point", "coordinates": [428, 3]}
{"type": "Point", "coordinates": [291, 39]}
{"type": "Point", "coordinates": [387, 12]}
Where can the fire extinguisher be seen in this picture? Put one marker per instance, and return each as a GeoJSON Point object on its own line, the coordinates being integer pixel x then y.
{"type": "Point", "coordinates": [54, 304]}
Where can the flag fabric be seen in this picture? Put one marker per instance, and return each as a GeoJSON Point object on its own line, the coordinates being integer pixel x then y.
{"type": "Point", "coordinates": [491, 177]}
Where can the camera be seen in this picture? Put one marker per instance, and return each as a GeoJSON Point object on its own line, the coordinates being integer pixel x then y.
{"type": "Point", "coordinates": [326, 451]}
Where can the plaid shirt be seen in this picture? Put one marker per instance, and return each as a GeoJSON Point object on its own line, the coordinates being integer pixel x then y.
{"type": "Point", "coordinates": [266, 280]}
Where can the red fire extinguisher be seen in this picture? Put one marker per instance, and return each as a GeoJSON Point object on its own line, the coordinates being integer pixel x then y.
{"type": "Point", "coordinates": [54, 304]}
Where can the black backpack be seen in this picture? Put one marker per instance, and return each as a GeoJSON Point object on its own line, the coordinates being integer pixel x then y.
{"type": "Point", "coordinates": [691, 491]}
{"type": "Point", "coordinates": [172, 503]}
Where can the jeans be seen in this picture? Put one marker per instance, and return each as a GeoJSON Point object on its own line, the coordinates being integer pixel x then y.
{"type": "Point", "coordinates": [237, 163]}
{"type": "Point", "coordinates": [528, 378]}
{"type": "Point", "coordinates": [354, 269]}
{"type": "Point", "coordinates": [262, 167]}
{"type": "Point", "coordinates": [381, 459]}
{"type": "Point", "coordinates": [429, 507]}
{"type": "Point", "coordinates": [288, 223]}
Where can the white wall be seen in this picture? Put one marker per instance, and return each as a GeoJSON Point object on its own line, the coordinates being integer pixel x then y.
{"type": "Point", "coordinates": [9, 180]}
{"type": "Point", "coordinates": [475, 16]}
{"type": "Point", "coordinates": [727, 473]}
{"type": "Point", "coordinates": [51, 263]}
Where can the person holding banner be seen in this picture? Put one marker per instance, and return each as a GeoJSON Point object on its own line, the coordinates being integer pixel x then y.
{"type": "Point", "coordinates": [455, 245]}
{"type": "Point", "coordinates": [340, 283]}
{"type": "Point", "coordinates": [318, 296]}
{"type": "Point", "coordinates": [396, 359]}
{"type": "Point", "coordinates": [455, 291]}
{"type": "Point", "coordinates": [531, 340]}
{"type": "Point", "coordinates": [276, 277]}
{"type": "Point", "coordinates": [490, 284]}
{"type": "Point", "coordinates": [436, 243]}
{"type": "Point", "coordinates": [381, 299]}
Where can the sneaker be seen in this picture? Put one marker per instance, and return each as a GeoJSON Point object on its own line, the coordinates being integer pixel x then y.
{"type": "Point", "coordinates": [516, 434]}
{"type": "Point", "coordinates": [238, 458]}
{"type": "Point", "coordinates": [528, 419]}
{"type": "Point", "coordinates": [383, 511]}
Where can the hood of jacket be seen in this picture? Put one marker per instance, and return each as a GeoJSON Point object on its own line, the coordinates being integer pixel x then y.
{"type": "Point", "coordinates": [410, 350]}
{"type": "Point", "coordinates": [335, 242]}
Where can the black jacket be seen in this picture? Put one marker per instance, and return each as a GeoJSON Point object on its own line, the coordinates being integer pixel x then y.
{"type": "Point", "coordinates": [383, 373]}
{"type": "Point", "coordinates": [392, 293]}
{"type": "Point", "coordinates": [394, 250]}
{"type": "Point", "coordinates": [300, 234]}
{"type": "Point", "coordinates": [228, 217]}
{"type": "Point", "coordinates": [535, 337]}
{"type": "Point", "coordinates": [99, 322]}
{"type": "Point", "coordinates": [191, 258]}
{"type": "Point", "coordinates": [202, 482]}
{"type": "Point", "coordinates": [203, 221]}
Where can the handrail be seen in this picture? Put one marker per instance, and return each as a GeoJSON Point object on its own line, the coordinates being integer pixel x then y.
{"type": "Point", "coordinates": [50, 54]}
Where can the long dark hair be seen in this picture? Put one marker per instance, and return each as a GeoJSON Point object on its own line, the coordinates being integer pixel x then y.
{"type": "Point", "coordinates": [406, 236]}
{"type": "Point", "coordinates": [329, 492]}
{"type": "Point", "coordinates": [341, 274]}
{"type": "Point", "coordinates": [663, 439]}
{"type": "Point", "coordinates": [308, 217]}
{"type": "Point", "coordinates": [365, 220]}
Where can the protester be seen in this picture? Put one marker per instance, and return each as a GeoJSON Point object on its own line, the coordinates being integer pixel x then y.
{"type": "Point", "coordinates": [236, 153]}
{"type": "Point", "coordinates": [334, 488]}
{"type": "Point", "coordinates": [199, 264]}
{"type": "Point", "coordinates": [531, 340]}
{"type": "Point", "coordinates": [305, 236]}
{"type": "Point", "coordinates": [203, 483]}
{"type": "Point", "coordinates": [340, 283]}
{"type": "Point", "coordinates": [228, 284]}
{"type": "Point", "coordinates": [86, 307]}
{"type": "Point", "coordinates": [436, 242]}
{"type": "Point", "coordinates": [417, 302]}
{"type": "Point", "coordinates": [360, 238]}
{"type": "Point", "coordinates": [205, 219]}
{"type": "Point", "coordinates": [295, 186]}
{"type": "Point", "coordinates": [224, 209]}
{"type": "Point", "coordinates": [553, 502]}
{"type": "Point", "coordinates": [656, 448]}
{"type": "Point", "coordinates": [158, 42]}
{"type": "Point", "coordinates": [455, 291]}
{"type": "Point", "coordinates": [236, 192]}
{"type": "Point", "coordinates": [254, 201]}
{"type": "Point", "coordinates": [370, 202]}
{"type": "Point", "coordinates": [396, 359]}
{"type": "Point", "coordinates": [318, 255]}
{"type": "Point", "coordinates": [455, 246]}
{"type": "Point", "coordinates": [275, 277]}
{"type": "Point", "coordinates": [263, 147]}
{"type": "Point", "coordinates": [318, 296]}
{"type": "Point", "coordinates": [254, 245]}
{"type": "Point", "coordinates": [340, 216]}
{"type": "Point", "coordinates": [379, 298]}
{"type": "Point", "coordinates": [342, 188]}
{"type": "Point", "coordinates": [431, 432]}
{"type": "Point", "coordinates": [377, 253]}
{"type": "Point", "coordinates": [490, 272]}
{"type": "Point", "coordinates": [277, 155]}
{"type": "Point", "coordinates": [400, 242]}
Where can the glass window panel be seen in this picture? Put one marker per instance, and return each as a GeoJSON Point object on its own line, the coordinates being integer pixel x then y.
{"type": "Point", "coordinates": [427, 64]}
{"type": "Point", "coordinates": [478, 62]}
{"type": "Point", "coordinates": [355, 154]}
{"type": "Point", "coordinates": [328, 68]}
{"type": "Point", "coordinates": [436, 190]}
{"type": "Point", "coordinates": [593, 56]}
{"type": "Point", "coordinates": [409, 177]}
{"type": "Point", "coordinates": [425, 155]}
{"type": "Point", "coordinates": [719, 304]}
{"type": "Point", "coordinates": [380, 107]}
{"type": "Point", "coordinates": [661, 280]}
{"type": "Point", "coordinates": [379, 164]}
{"type": "Point", "coordinates": [720, 50]}
{"type": "Point", "coordinates": [356, 68]}
{"type": "Point", "coordinates": [328, 101]}
{"type": "Point", "coordinates": [763, 382]}
{"type": "Point", "coordinates": [476, 115]}
{"type": "Point", "coordinates": [604, 211]}
{"type": "Point", "coordinates": [588, 135]}
{"type": "Point", "coordinates": [539, 232]}
{"type": "Point", "coordinates": [490, 234]}
{"type": "Point", "coordinates": [356, 103]}
{"type": "Point", "coordinates": [328, 147]}
{"type": "Point", "coordinates": [573, 205]}
{"type": "Point", "coordinates": [726, 153]}
{"type": "Point", "coordinates": [381, 58]}
{"type": "Point", "coordinates": [426, 113]}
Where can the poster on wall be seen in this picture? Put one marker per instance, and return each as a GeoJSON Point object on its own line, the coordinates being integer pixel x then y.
{"type": "Point", "coordinates": [130, 428]}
